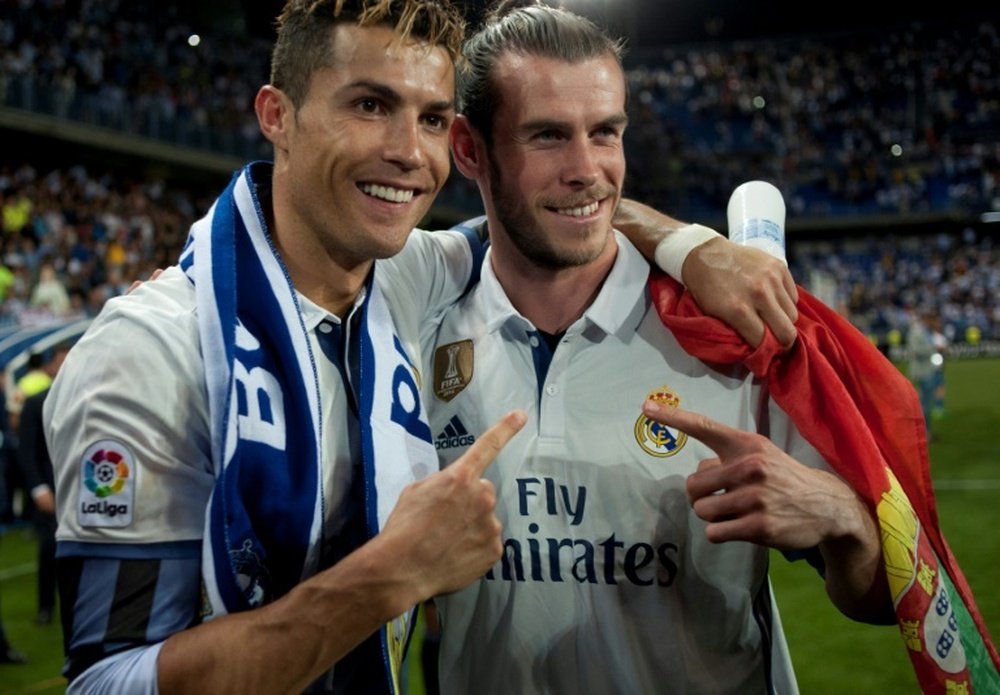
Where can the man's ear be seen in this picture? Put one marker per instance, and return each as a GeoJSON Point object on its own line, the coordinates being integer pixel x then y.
{"type": "Point", "coordinates": [274, 112]}
{"type": "Point", "coordinates": [467, 148]}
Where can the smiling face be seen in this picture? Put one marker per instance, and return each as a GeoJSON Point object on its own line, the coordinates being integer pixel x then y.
{"type": "Point", "coordinates": [556, 163]}
{"type": "Point", "coordinates": [359, 163]}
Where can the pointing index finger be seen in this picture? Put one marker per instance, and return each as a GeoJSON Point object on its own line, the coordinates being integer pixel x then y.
{"type": "Point", "coordinates": [722, 439]}
{"type": "Point", "coordinates": [480, 455]}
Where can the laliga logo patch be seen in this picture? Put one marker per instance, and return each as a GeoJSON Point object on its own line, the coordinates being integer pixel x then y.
{"type": "Point", "coordinates": [107, 485]}
{"type": "Point", "coordinates": [453, 366]}
{"type": "Point", "coordinates": [656, 439]}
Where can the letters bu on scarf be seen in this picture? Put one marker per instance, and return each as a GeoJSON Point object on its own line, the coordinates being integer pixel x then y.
{"type": "Point", "coordinates": [864, 417]}
{"type": "Point", "coordinates": [264, 521]}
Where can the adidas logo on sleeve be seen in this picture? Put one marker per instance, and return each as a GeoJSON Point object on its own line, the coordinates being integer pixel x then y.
{"type": "Point", "coordinates": [453, 435]}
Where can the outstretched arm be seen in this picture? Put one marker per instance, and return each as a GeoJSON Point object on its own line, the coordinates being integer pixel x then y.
{"type": "Point", "coordinates": [743, 286]}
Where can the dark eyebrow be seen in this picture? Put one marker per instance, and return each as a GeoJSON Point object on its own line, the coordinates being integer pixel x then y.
{"type": "Point", "coordinates": [384, 92]}
{"type": "Point", "coordinates": [393, 98]}
{"type": "Point", "coordinates": [620, 119]}
{"type": "Point", "coordinates": [439, 106]}
{"type": "Point", "coordinates": [541, 124]}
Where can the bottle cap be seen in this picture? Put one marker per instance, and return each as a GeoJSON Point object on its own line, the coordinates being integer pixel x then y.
{"type": "Point", "coordinates": [756, 216]}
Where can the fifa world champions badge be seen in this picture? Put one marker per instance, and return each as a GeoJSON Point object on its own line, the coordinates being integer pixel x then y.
{"type": "Point", "coordinates": [655, 438]}
{"type": "Point", "coordinates": [453, 367]}
{"type": "Point", "coordinates": [107, 485]}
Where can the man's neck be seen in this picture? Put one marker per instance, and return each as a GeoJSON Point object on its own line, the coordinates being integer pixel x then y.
{"type": "Point", "coordinates": [328, 284]}
{"type": "Point", "coordinates": [551, 299]}
{"type": "Point", "coordinates": [326, 280]}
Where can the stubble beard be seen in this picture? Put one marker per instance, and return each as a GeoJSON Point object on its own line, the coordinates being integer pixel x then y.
{"type": "Point", "coordinates": [528, 235]}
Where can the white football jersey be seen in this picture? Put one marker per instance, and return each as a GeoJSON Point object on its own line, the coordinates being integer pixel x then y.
{"type": "Point", "coordinates": [127, 425]}
{"type": "Point", "coordinates": [607, 583]}
{"type": "Point", "coordinates": [132, 394]}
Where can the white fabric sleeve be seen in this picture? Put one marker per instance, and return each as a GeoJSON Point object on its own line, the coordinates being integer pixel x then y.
{"type": "Point", "coordinates": [432, 271]}
{"type": "Point", "coordinates": [673, 250]}
{"type": "Point", "coordinates": [132, 671]}
{"type": "Point", "coordinates": [786, 436]}
{"type": "Point", "coordinates": [135, 380]}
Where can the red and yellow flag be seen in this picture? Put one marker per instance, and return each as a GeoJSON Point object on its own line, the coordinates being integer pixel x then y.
{"type": "Point", "coordinates": [864, 417]}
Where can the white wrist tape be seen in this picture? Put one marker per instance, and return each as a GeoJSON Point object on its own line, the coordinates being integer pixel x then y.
{"type": "Point", "coordinates": [673, 250]}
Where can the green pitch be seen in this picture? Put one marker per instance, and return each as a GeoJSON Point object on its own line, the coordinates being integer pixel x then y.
{"type": "Point", "coordinates": [834, 655]}
{"type": "Point", "coordinates": [831, 653]}
{"type": "Point", "coordinates": [18, 604]}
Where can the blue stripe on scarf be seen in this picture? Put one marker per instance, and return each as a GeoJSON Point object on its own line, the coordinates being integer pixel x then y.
{"type": "Point", "coordinates": [271, 497]}
{"type": "Point", "coordinates": [264, 504]}
{"type": "Point", "coordinates": [263, 526]}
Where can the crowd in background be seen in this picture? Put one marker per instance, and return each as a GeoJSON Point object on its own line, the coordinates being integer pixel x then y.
{"type": "Point", "coordinates": [72, 239]}
{"type": "Point", "coordinates": [883, 282]}
{"type": "Point", "coordinates": [817, 116]}
{"type": "Point", "coordinates": [900, 121]}
{"type": "Point", "coordinates": [116, 64]}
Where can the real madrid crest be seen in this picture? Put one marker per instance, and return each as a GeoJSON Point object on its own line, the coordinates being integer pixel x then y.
{"type": "Point", "coordinates": [453, 366]}
{"type": "Point", "coordinates": [655, 438]}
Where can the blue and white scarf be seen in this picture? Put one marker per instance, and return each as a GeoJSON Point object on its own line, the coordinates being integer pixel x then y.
{"type": "Point", "coordinates": [264, 521]}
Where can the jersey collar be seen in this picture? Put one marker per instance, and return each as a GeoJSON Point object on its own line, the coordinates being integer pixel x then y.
{"type": "Point", "coordinates": [617, 309]}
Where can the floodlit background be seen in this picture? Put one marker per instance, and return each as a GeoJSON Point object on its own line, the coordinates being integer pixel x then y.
{"type": "Point", "coordinates": [121, 120]}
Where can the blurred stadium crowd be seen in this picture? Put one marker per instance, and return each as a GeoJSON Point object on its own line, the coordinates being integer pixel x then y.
{"type": "Point", "coordinates": [116, 64]}
{"type": "Point", "coordinates": [72, 239]}
{"type": "Point", "coordinates": [865, 123]}
{"type": "Point", "coordinates": [904, 122]}
{"type": "Point", "coordinates": [884, 281]}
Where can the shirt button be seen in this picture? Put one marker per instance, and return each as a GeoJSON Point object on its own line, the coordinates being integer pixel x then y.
{"type": "Point", "coordinates": [552, 389]}
{"type": "Point", "coordinates": [533, 341]}
{"type": "Point", "coordinates": [325, 327]}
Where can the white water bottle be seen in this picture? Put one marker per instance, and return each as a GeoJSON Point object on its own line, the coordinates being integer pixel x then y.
{"type": "Point", "coordinates": [756, 216]}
